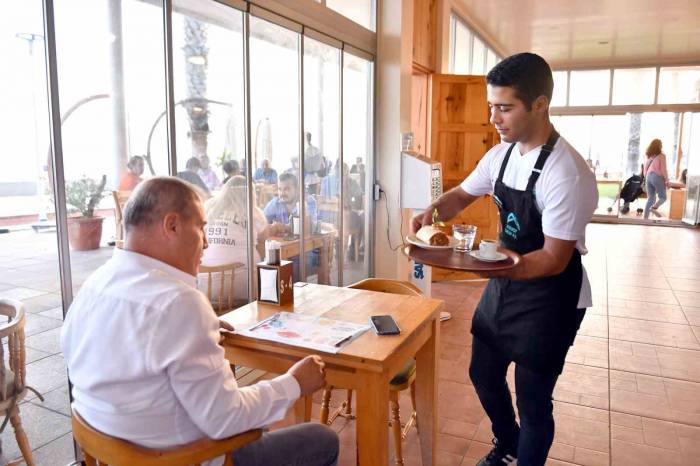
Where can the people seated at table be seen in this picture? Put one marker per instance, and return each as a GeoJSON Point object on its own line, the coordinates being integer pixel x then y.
{"type": "Point", "coordinates": [227, 215]}
{"type": "Point", "coordinates": [286, 203]}
{"type": "Point", "coordinates": [231, 169]}
{"type": "Point", "coordinates": [141, 345]}
{"type": "Point", "coordinates": [359, 168]}
{"type": "Point", "coordinates": [132, 176]}
{"type": "Point", "coordinates": [191, 175]}
{"type": "Point", "coordinates": [206, 173]}
{"type": "Point", "coordinates": [352, 211]}
{"type": "Point", "coordinates": [265, 173]}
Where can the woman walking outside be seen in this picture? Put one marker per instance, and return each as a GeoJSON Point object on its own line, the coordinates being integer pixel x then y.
{"type": "Point", "coordinates": [656, 178]}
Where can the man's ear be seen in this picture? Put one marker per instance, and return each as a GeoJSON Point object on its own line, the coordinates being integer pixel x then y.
{"type": "Point", "coordinates": [171, 224]}
{"type": "Point", "coordinates": [540, 104]}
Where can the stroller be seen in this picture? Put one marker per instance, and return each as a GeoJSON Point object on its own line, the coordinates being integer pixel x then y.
{"type": "Point", "coordinates": [629, 193]}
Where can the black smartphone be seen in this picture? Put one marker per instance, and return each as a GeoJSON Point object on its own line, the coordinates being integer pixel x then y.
{"type": "Point", "coordinates": [384, 325]}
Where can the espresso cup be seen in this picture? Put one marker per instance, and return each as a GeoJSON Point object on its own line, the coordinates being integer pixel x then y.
{"type": "Point", "coordinates": [488, 248]}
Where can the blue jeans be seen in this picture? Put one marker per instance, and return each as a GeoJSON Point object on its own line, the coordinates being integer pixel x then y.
{"type": "Point", "coordinates": [530, 441]}
{"type": "Point", "coordinates": [308, 444]}
{"type": "Point", "coordinates": [655, 185]}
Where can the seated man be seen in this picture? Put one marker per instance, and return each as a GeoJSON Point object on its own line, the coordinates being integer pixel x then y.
{"type": "Point", "coordinates": [265, 174]}
{"type": "Point", "coordinates": [286, 203]}
{"type": "Point", "coordinates": [141, 344]}
{"type": "Point", "coordinates": [191, 175]}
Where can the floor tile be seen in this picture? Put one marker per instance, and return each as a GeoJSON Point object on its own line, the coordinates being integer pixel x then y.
{"type": "Point", "coordinates": [657, 333]}
{"type": "Point", "coordinates": [56, 453]}
{"type": "Point", "coordinates": [48, 341]}
{"type": "Point", "coordinates": [692, 314]}
{"type": "Point", "coordinates": [684, 284]}
{"type": "Point", "coordinates": [589, 351]}
{"type": "Point", "coordinates": [675, 363]}
{"type": "Point", "coordinates": [647, 311]}
{"type": "Point", "coordinates": [688, 298]}
{"type": "Point", "coordinates": [636, 293]}
{"type": "Point", "coordinates": [594, 325]}
{"type": "Point", "coordinates": [41, 425]}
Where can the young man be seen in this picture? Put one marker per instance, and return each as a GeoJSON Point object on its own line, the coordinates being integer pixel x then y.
{"type": "Point", "coordinates": [546, 195]}
{"type": "Point", "coordinates": [142, 346]}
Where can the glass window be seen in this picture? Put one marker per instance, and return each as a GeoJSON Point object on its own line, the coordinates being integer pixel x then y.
{"type": "Point", "coordinates": [275, 125]}
{"type": "Point", "coordinates": [478, 56]}
{"type": "Point", "coordinates": [590, 87]}
{"type": "Point", "coordinates": [462, 49]}
{"type": "Point", "coordinates": [209, 118]}
{"type": "Point", "coordinates": [112, 87]}
{"type": "Point", "coordinates": [360, 11]}
{"type": "Point", "coordinates": [357, 152]}
{"type": "Point", "coordinates": [634, 86]}
{"type": "Point", "coordinates": [559, 94]}
{"type": "Point", "coordinates": [322, 159]}
{"type": "Point", "coordinates": [679, 85]}
{"type": "Point", "coordinates": [491, 60]}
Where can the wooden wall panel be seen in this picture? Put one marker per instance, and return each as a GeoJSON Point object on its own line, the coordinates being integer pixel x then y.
{"type": "Point", "coordinates": [425, 33]}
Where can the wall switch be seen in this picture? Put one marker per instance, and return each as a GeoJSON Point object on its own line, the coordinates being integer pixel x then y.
{"type": "Point", "coordinates": [377, 191]}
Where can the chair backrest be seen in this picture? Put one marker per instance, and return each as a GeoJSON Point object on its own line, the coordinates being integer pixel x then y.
{"type": "Point", "coordinates": [120, 198]}
{"type": "Point", "coordinates": [384, 285]}
{"type": "Point", "coordinates": [111, 451]}
{"type": "Point", "coordinates": [13, 330]}
{"type": "Point", "coordinates": [221, 294]}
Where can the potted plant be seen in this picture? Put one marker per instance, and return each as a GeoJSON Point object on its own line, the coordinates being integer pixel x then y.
{"type": "Point", "coordinates": [82, 196]}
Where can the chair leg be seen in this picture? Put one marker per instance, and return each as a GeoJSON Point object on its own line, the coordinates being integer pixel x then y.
{"type": "Point", "coordinates": [21, 437]}
{"type": "Point", "coordinates": [348, 404]}
{"type": "Point", "coordinates": [89, 460]}
{"type": "Point", "coordinates": [325, 404]}
{"type": "Point", "coordinates": [396, 426]}
{"type": "Point", "coordinates": [413, 403]}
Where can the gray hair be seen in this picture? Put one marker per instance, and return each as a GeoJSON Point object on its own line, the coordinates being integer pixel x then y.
{"type": "Point", "coordinates": [156, 197]}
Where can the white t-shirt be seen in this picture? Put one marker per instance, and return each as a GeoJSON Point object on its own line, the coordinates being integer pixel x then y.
{"type": "Point", "coordinates": [566, 193]}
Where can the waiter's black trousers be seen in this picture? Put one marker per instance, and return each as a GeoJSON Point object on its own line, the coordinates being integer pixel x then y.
{"type": "Point", "coordinates": [530, 441]}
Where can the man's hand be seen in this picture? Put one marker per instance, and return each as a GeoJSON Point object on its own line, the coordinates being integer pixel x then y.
{"type": "Point", "coordinates": [421, 220]}
{"type": "Point", "coordinates": [224, 328]}
{"type": "Point", "coordinates": [310, 373]}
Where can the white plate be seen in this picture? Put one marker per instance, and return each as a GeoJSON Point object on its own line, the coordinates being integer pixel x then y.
{"type": "Point", "coordinates": [413, 239]}
{"type": "Point", "coordinates": [498, 257]}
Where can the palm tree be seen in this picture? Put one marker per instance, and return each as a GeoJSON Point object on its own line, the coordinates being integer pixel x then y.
{"type": "Point", "coordinates": [196, 54]}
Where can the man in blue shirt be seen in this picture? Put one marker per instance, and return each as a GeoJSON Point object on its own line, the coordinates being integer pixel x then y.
{"type": "Point", "coordinates": [265, 174]}
{"type": "Point", "coordinates": [286, 203]}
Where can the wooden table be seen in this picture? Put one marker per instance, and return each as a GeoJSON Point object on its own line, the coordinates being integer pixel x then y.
{"type": "Point", "coordinates": [322, 241]}
{"type": "Point", "coordinates": [365, 365]}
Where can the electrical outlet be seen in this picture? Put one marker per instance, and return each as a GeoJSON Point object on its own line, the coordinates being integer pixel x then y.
{"type": "Point", "coordinates": [377, 191]}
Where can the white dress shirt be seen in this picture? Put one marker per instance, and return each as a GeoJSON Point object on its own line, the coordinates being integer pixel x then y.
{"type": "Point", "coordinates": [565, 193]}
{"type": "Point", "coordinates": [141, 345]}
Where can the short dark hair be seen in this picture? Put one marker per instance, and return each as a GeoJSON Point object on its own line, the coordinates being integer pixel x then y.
{"type": "Point", "coordinates": [132, 161]}
{"type": "Point", "coordinates": [156, 197]}
{"type": "Point", "coordinates": [193, 162]}
{"type": "Point", "coordinates": [527, 73]}
{"type": "Point", "coordinates": [289, 177]}
{"type": "Point", "coordinates": [230, 166]}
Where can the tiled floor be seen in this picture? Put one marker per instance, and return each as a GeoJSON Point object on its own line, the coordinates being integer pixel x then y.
{"type": "Point", "coordinates": [629, 394]}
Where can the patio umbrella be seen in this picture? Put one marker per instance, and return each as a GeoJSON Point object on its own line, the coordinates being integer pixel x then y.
{"type": "Point", "coordinates": [263, 142]}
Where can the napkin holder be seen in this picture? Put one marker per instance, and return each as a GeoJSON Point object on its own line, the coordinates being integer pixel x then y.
{"type": "Point", "coordinates": [275, 283]}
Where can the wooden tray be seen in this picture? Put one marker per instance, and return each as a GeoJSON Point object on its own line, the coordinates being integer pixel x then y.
{"type": "Point", "coordinates": [462, 261]}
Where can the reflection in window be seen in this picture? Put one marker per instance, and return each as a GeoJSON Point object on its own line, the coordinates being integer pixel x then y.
{"type": "Point", "coordinates": [357, 148]}
{"type": "Point", "coordinates": [360, 11]}
{"type": "Point", "coordinates": [634, 86]}
{"type": "Point", "coordinates": [590, 87]}
{"type": "Point", "coordinates": [491, 60]}
{"type": "Point", "coordinates": [559, 94]}
{"type": "Point", "coordinates": [679, 85]}
{"type": "Point", "coordinates": [322, 159]}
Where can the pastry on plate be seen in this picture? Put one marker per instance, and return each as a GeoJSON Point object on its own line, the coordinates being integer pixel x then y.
{"type": "Point", "coordinates": [432, 235]}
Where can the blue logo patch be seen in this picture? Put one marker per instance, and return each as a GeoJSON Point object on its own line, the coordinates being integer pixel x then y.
{"type": "Point", "coordinates": [418, 271]}
{"type": "Point", "coordinates": [512, 227]}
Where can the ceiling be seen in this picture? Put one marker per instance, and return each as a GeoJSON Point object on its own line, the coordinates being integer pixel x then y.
{"type": "Point", "coordinates": [577, 33]}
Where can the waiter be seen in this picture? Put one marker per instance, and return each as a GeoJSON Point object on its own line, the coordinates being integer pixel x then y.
{"type": "Point", "coordinates": [529, 315]}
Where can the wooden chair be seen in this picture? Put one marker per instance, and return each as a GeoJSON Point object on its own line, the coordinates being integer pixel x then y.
{"type": "Point", "coordinates": [120, 198]}
{"type": "Point", "coordinates": [405, 378]}
{"type": "Point", "coordinates": [102, 449]}
{"type": "Point", "coordinates": [12, 381]}
{"type": "Point", "coordinates": [225, 293]}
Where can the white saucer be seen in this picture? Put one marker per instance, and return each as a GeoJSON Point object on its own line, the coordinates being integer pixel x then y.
{"type": "Point", "coordinates": [498, 257]}
{"type": "Point", "coordinates": [413, 239]}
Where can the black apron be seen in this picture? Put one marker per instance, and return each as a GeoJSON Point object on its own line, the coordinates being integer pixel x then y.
{"type": "Point", "coordinates": [531, 322]}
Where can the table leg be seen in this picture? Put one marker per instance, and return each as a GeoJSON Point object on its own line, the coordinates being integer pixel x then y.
{"type": "Point", "coordinates": [427, 395]}
{"type": "Point", "coordinates": [302, 409]}
{"type": "Point", "coordinates": [324, 276]}
{"type": "Point", "coordinates": [372, 421]}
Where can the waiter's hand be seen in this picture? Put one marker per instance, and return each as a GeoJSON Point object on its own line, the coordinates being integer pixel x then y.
{"type": "Point", "coordinates": [421, 220]}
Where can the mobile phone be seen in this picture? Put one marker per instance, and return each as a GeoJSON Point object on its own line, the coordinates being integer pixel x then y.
{"type": "Point", "coordinates": [384, 325]}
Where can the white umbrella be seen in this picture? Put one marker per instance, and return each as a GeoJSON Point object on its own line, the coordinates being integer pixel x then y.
{"type": "Point", "coordinates": [263, 142]}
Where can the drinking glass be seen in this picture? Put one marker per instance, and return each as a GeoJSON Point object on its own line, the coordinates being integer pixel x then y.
{"type": "Point", "coordinates": [464, 234]}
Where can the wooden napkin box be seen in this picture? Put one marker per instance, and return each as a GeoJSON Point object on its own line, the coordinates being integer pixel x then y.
{"type": "Point", "coordinates": [275, 283]}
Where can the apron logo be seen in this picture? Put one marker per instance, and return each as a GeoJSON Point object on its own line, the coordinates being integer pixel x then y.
{"type": "Point", "coordinates": [512, 227]}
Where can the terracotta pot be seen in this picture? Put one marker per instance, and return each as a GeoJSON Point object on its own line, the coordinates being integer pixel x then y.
{"type": "Point", "coordinates": [84, 234]}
